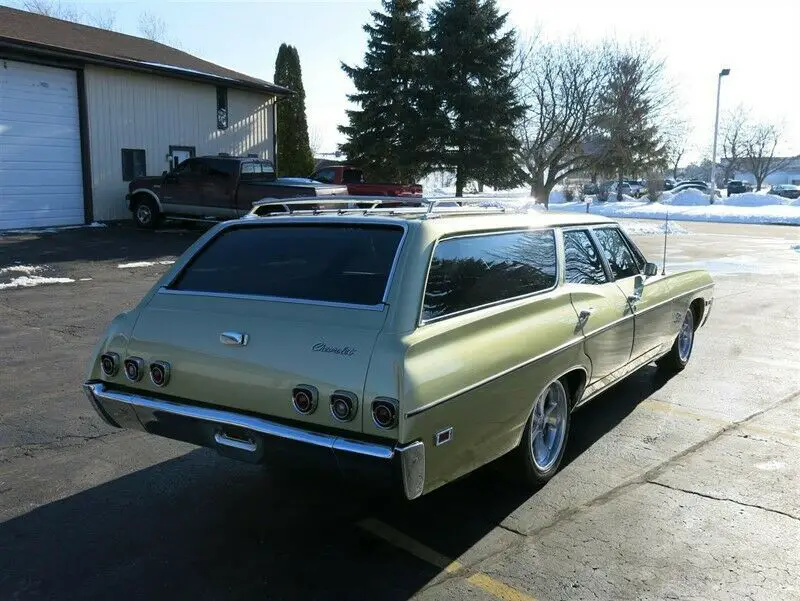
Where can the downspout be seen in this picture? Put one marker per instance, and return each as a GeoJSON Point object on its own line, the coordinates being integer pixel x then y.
{"type": "Point", "coordinates": [275, 134]}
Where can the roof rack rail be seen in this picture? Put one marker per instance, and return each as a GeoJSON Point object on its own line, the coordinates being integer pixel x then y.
{"type": "Point", "coordinates": [367, 204]}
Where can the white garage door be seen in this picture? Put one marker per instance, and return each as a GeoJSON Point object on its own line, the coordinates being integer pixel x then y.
{"type": "Point", "coordinates": [40, 155]}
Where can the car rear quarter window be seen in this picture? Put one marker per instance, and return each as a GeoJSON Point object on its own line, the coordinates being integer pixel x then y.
{"type": "Point", "coordinates": [473, 271]}
{"type": "Point", "coordinates": [312, 262]}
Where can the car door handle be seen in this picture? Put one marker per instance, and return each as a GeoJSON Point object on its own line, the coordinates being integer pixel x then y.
{"type": "Point", "coordinates": [585, 314]}
{"type": "Point", "coordinates": [234, 338]}
{"type": "Point", "coordinates": [634, 298]}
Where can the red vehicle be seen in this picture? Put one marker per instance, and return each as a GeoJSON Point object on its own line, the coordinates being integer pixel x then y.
{"type": "Point", "coordinates": [353, 178]}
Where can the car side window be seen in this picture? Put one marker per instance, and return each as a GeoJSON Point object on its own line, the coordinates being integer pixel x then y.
{"type": "Point", "coordinates": [619, 256]}
{"type": "Point", "coordinates": [583, 263]}
{"type": "Point", "coordinates": [473, 271]}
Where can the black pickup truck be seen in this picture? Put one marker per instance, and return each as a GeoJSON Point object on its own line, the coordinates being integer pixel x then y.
{"type": "Point", "coordinates": [212, 188]}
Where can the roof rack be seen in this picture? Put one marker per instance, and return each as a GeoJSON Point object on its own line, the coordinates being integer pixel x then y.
{"type": "Point", "coordinates": [426, 207]}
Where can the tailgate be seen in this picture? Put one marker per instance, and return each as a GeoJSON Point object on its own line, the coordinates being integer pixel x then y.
{"type": "Point", "coordinates": [287, 345]}
{"type": "Point", "coordinates": [265, 308]}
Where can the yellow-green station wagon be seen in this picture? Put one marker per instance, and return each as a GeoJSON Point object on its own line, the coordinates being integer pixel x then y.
{"type": "Point", "coordinates": [411, 343]}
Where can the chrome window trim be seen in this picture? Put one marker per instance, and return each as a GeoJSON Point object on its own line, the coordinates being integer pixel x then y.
{"type": "Point", "coordinates": [423, 322]}
{"type": "Point", "coordinates": [274, 299]}
{"type": "Point", "coordinates": [185, 262]}
{"type": "Point", "coordinates": [493, 377]}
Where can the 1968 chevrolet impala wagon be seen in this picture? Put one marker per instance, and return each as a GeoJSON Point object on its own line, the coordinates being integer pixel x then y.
{"type": "Point", "coordinates": [416, 343]}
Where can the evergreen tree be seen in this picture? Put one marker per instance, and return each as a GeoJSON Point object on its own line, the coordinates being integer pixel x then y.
{"type": "Point", "coordinates": [472, 98]}
{"type": "Point", "coordinates": [385, 135]}
{"type": "Point", "coordinates": [630, 140]}
{"type": "Point", "coordinates": [294, 152]}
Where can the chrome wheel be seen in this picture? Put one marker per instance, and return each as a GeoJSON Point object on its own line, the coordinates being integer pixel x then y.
{"type": "Point", "coordinates": [549, 426]}
{"type": "Point", "coordinates": [686, 337]}
{"type": "Point", "coordinates": [144, 214]}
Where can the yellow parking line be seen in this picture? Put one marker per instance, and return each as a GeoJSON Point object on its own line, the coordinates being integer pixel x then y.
{"type": "Point", "coordinates": [428, 555]}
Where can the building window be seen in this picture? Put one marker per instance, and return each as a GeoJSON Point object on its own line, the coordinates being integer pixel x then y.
{"type": "Point", "coordinates": [222, 108]}
{"type": "Point", "coordinates": [133, 164]}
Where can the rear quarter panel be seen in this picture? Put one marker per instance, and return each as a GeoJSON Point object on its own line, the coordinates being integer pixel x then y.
{"type": "Point", "coordinates": [480, 374]}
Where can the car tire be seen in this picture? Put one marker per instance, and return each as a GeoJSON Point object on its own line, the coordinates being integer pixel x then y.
{"type": "Point", "coordinates": [678, 356]}
{"type": "Point", "coordinates": [536, 459]}
{"type": "Point", "coordinates": [146, 213]}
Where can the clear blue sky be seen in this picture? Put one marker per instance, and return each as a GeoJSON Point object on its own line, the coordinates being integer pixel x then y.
{"type": "Point", "coordinates": [757, 40]}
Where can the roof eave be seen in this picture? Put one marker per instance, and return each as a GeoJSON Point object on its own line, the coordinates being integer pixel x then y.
{"type": "Point", "coordinates": [64, 54]}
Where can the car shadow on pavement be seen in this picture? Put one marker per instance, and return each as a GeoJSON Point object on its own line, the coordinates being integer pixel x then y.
{"type": "Point", "coordinates": [204, 527]}
{"type": "Point", "coordinates": [114, 242]}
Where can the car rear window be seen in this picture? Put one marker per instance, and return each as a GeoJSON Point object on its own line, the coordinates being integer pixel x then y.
{"type": "Point", "coordinates": [330, 263]}
{"type": "Point", "coordinates": [473, 271]}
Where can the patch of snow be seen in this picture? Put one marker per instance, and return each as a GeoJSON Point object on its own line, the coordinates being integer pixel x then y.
{"type": "Point", "coordinates": [29, 281]}
{"type": "Point", "coordinates": [183, 70]}
{"type": "Point", "coordinates": [27, 269]}
{"type": "Point", "coordinates": [85, 280]}
{"type": "Point", "coordinates": [137, 264]}
{"type": "Point", "coordinates": [718, 212]}
{"type": "Point", "coordinates": [750, 199]}
{"type": "Point", "coordinates": [645, 228]}
{"type": "Point", "coordinates": [51, 230]}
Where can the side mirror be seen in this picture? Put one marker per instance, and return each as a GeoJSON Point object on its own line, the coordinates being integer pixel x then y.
{"type": "Point", "coordinates": [650, 269]}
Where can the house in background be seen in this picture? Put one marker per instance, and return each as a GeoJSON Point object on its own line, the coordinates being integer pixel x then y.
{"type": "Point", "coordinates": [85, 110]}
{"type": "Point", "coordinates": [789, 173]}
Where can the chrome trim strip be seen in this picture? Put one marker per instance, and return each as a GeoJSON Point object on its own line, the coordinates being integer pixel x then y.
{"type": "Point", "coordinates": [608, 326]}
{"type": "Point", "coordinates": [248, 422]}
{"type": "Point", "coordinates": [275, 299]}
{"type": "Point", "coordinates": [622, 373]}
{"type": "Point", "coordinates": [485, 381]}
{"type": "Point", "coordinates": [149, 192]}
{"type": "Point", "coordinates": [500, 231]}
{"type": "Point", "coordinates": [672, 299]}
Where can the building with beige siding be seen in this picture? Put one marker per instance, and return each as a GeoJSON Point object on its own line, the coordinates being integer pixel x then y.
{"type": "Point", "coordinates": [85, 110]}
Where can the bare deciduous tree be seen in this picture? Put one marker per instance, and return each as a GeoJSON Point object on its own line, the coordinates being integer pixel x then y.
{"type": "Point", "coordinates": [560, 84]}
{"type": "Point", "coordinates": [103, 18]}
{"type": "Point", "coordinates": [733, 142]}
{"type": "Point", "coordinates": [676, 133]}
{"type": "Point", "coordinates": [152, 27]}
{"type": "Point", "coordinates": [760, 141]}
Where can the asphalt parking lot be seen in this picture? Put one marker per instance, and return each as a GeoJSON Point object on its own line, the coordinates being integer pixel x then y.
{"type": "Point", "coordinates": [687, 488]}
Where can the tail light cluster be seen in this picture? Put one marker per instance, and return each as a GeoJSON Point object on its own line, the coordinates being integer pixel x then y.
{"type": "Point", "coordinates": [344, 406]}
{"type": "Point", "coordinates": [134, 368]}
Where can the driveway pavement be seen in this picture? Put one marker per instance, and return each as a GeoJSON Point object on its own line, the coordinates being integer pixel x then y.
{"type": "Point", "coordinates": [686, 488]}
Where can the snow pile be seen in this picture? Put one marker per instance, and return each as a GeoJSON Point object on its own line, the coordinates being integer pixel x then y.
{"type": "Point", "coordinates": [645, 228]}
{"type": "Point", "coordinates": [750, 199]}
{"type": "Point", "coordinates": [687, 198]}
{"type": "Point", "coordinates": [29, 277]}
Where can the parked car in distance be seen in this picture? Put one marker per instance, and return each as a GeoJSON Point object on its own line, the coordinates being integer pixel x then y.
{"type": "Point", "coordinates": [738, 186]}
{"type": "Point", "coordinates": [625, 188]}
{"type": "Point", "coordinates": [785, 190]}
{"type": "Point", "coordinates": [212, 188]}
{"type": "Point", "coordinates": [353, 178]}
{"type": "Point", "coordinates": [694, 185]}
{"type": "Point", "coordinates": [669, 184]}
{"type": "Point", "coordinates": [404, 345]}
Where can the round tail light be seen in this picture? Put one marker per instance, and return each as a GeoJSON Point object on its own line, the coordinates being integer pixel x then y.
{"type": "Point", "coordinates": [384, 413]}
{"type": "Point", "coordinates": [159, 373]}
{"type": "Point", "coordinates": [109, 363]}
{"type": "Point", "coordinates": [304, 399]}
{"type": "Point", "coordinates": [133, 368]}
{"type": "Point", "coordinates": [344, 406]}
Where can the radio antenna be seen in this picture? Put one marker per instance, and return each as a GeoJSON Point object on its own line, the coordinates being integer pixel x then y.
{"type": "Point", "coordinates": [666, 229]}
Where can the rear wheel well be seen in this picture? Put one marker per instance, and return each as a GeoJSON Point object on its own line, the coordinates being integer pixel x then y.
{"type": "Point", "coordinates": [697, 307]}
{"type": "Point", "coordinates": [575, 382]}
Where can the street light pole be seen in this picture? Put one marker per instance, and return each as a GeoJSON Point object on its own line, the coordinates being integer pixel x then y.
{"type": "Point", "coordinates": [722, 74]}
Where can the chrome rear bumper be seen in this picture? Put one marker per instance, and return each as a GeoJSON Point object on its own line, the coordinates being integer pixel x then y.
{"type": "Point", "coordinates": [250, 438]}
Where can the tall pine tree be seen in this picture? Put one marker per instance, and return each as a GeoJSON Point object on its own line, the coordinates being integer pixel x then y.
{"type": "Point", "coordinates": [472, 99]}
{"type": "Point", "coordinates": [385, 135]}
{"type": "Point", "coordinates": [630, 140]}
{"type": "Point", "coordinates": [294, 152]}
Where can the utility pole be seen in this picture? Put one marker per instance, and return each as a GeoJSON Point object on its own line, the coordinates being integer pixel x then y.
{"type": "Point", "coordinates": [722, 74]}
